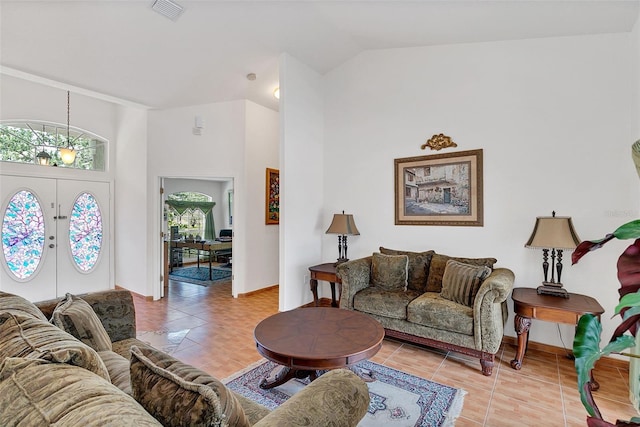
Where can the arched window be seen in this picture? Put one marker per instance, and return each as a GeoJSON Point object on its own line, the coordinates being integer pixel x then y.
{"type": "Point", "coordinates": [191, 213]}
{"type": "Point", "coordinates": [41, 143]}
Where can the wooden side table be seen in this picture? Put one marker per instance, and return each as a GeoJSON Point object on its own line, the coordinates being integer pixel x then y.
{"type": "Point", "coordinates": [326, 272]}
{"type": "Point", "coordinates": [529, 305]}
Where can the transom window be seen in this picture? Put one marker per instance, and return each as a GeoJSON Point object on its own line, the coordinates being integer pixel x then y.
{"type": "Point", "coordinates": [41, 143]}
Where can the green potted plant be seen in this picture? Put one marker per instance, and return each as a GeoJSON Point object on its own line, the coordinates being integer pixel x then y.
{"type": "Point", "coordinates": [586, 344]}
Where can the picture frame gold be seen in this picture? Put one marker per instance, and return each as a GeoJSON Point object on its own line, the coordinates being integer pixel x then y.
{"type": "Point", "coordinates": [439, 189]}
{"type": "Point", "coordinates": [272, 196]}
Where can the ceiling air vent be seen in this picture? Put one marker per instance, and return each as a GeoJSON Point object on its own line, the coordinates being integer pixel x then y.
{"type": "Point", "coordinates": [168, 8]}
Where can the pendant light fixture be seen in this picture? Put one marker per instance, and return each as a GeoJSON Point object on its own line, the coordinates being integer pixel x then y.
{"type": "Point", "coordinates": [43, 158]}
{"type": "Point", "coordinates": [68, 154]}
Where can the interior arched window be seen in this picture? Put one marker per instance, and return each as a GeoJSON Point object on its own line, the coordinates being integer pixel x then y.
{"type": "Point", "coordinates": [43, 143]}
{"type": "Point", "coordinates": [191, 213]}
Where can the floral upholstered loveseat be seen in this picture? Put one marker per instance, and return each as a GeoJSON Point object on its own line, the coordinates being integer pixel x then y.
{"type": "Point", "coordinates": [86, 368]}
{"type": "Point", "coordinates": [456, 304]}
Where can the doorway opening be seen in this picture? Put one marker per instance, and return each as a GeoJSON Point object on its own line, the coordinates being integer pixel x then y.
{"type": "Point", "coordinates": [197, 228]}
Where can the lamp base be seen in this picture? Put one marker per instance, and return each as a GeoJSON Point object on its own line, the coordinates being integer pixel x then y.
{"type": "Point", "coordinates": [340, 261]}
{"type": "Point", "coordinates": [554, 289]}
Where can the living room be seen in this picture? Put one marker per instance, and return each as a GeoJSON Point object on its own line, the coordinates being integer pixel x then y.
{"type": "Point", "coordinates": [554, 115]}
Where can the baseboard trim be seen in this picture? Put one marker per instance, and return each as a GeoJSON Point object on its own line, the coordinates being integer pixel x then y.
{"type": "Point", "coordinates": [258, 291]}
{"type": "Point", "coordinates": [560, 351]}
{"type": "Point", "coordinates": [135, 294]}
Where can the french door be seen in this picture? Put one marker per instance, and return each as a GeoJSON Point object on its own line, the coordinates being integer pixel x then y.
{"type": "Point", "coordinates": [55, 236]}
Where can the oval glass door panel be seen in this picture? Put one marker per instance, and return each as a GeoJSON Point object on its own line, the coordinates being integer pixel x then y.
{"type": "Point", "coordinates": [23, 234]}
{"type": "Point", "coordinates": [85, 232]}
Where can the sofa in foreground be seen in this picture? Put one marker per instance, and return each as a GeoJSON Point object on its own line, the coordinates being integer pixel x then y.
{"type": "Point", "coordinates": [456, 304]}
{"type": "Point", "coordinates": [75, 361]}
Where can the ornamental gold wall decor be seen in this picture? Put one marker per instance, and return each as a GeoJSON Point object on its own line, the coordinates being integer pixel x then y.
{"type": "Point", "coordinates": [438, 142]}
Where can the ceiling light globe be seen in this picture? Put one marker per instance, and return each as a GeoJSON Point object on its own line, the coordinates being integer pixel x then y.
{"type": "Point", "coordinates": [68, 155]}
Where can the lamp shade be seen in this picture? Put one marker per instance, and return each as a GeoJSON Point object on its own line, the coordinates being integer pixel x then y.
{"type": "Point", "coordinates": [553, 232]}
{"type": "Point", "coordinates": [343, 224]}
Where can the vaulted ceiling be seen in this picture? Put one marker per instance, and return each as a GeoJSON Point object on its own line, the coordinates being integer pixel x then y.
{"type": "Point", "coordinates": [124, 49]}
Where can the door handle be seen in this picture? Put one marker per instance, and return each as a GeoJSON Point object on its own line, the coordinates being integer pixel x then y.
{"type": "Point", "coordinates": [52, 246]}
{"type": "Point", "coordinates": [60, 216]}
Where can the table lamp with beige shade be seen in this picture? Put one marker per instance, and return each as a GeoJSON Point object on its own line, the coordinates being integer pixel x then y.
{"type": "Point", "coordinates": [343, 225]}
{"type": "Point", "coordinates": [555, 233]}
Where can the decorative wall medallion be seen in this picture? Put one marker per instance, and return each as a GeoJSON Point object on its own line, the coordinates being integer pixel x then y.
{"type": "Point", "coordinates": [438, 142]}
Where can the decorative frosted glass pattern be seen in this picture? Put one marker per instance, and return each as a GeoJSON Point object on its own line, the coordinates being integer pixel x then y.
{"type": "Point", "coordinates": [85, 232]}
{"type": "Point", "coordinates": [23, 234]}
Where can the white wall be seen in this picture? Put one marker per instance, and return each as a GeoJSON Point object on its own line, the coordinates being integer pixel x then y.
{"type": "Point", "coordinates": [262, 151]}
{"type": "Point", "coordinates": [132, 245]}
{"type": "Point", "coordinates": [555, 118]}
{"type": "Point", "coordinates": [174, 151]}
{"type": "Point", "coordinates": [302, 167]}
{"type": "Point", "coordinates": [635, 36]}
{"type": "Point", "coordinates": [24, 99]}
{"type": "Point", "coordinates": [220, 152]}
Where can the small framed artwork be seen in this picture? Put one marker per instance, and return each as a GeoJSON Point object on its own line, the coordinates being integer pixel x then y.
{"type": "Point", "coordinates": [441, 189]}
{"type": "Point", "coordinates": [272, 206]}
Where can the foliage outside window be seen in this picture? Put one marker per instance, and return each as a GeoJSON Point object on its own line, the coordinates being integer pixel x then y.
{"type": "Point", "coordinates": [20, 142]}
{"type": "Point", "coordinates": [192, 221]}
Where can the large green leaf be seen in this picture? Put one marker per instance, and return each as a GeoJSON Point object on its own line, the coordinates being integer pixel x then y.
{"type": "Point", "coordinates": [628, 300]}
{"type": "Point", "coordinates": [630, 230]}
{"type": "Point", "coordinates": [586, 349]}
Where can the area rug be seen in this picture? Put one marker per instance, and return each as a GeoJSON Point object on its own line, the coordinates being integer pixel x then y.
{"type": "Point", "coordinates": [200, 275]}
{"type": "Point", "coordinates": [397, 398]}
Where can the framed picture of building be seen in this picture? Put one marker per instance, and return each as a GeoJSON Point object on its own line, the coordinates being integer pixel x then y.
{"type": "Point", "coordinates": [441, 189]}
{"type": "Point", "coordinates": [272, 196]}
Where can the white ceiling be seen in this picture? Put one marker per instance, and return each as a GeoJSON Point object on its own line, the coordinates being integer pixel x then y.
{"type": "Point", "coordinates": [124, 49]}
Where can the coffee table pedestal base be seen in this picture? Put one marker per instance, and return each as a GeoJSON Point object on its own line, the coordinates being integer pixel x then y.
{"type": "Point", "coordinates": [282, 374]}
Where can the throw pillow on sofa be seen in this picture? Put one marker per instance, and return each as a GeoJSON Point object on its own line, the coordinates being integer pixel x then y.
{"type": "Point", "coordinates": [39, 393]}
{"type": "Point", "coordinates": [177, 394]}
{"type": "Point", "coordinates": [419, 263]}
{"type": "Point", "coordinates": [389, 272]}
{"type": "Point", "coordinates": [460, 282]}
{"type": "Point", "coordinates": [25, 336]}
{"type": "Point", "coordinates": [439, 263]}
{"type": "Point", "coordinates": [75, 316]}
{"type": "Point", "coordinates": [15, 303]}
{"type": "Point", "coordinates": [118, 368]}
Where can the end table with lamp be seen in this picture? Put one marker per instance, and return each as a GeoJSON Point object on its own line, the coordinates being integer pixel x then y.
{"type": "Point", "coordinates": [550, 301]}
{"type": "Point", "coordinates": [342, 225]}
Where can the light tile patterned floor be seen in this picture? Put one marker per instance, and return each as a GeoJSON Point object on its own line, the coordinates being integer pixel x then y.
{"type": "Point", "coordinates": [206, 327]}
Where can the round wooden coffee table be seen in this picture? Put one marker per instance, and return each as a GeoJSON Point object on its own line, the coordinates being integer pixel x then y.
{"type": "Point", "coordinates": [308, 341]}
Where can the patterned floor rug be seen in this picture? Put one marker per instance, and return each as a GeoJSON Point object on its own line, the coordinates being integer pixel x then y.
{"type": "Point", "coordinates": [200, 275]}
{"type": "Point", "coordinates": [397, 398]}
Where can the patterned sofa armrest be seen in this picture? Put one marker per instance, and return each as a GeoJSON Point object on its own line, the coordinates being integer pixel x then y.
{"type": "Point", "coordinates": [114, 308]}
{"type": "Point", "coordinates": [336, 398]}
{"type": "Point", "coordinates": [490, 309]}
{"type": "Point", "coordinates": [355, 276]}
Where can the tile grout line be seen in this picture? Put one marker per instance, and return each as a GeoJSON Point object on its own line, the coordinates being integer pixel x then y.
{"type": "Point", "coordinates": [493, 389]}
{"type": "Point", "coordinates": [562, 398]}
